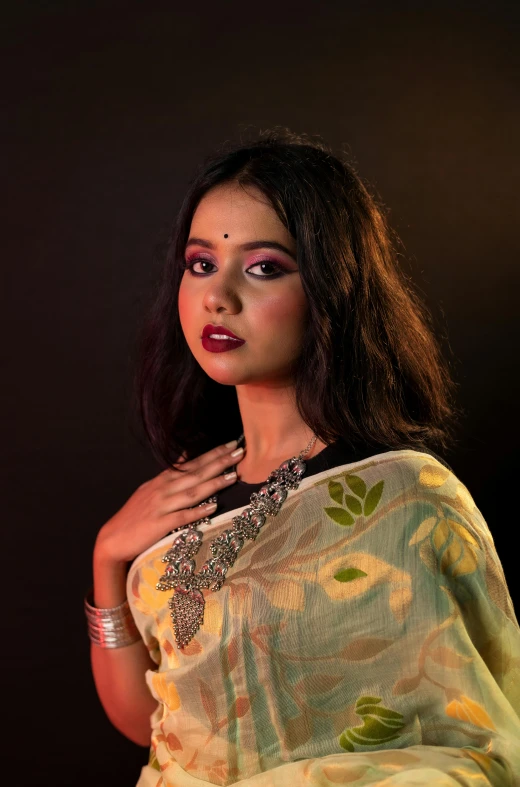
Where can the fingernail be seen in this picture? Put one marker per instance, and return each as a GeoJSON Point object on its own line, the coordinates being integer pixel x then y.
{"type": "Point", "coordinates": [238, 452]}
{"type": "Point", "coordinates": [230, 475]}
{"type": "Point", "coordinates": [232, 444]}
{"type": "Point", "coordinates": [210, 506]}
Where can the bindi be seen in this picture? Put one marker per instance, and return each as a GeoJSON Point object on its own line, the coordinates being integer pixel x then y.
{"type": "Point", "coordinates": [226, 235]}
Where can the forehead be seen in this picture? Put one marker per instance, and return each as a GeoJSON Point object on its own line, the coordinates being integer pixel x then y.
{"type": "Point", "coordinates": [236, 210]}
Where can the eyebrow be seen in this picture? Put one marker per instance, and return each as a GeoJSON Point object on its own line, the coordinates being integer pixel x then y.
{"type": "Point", "coordinates": [250, 246]}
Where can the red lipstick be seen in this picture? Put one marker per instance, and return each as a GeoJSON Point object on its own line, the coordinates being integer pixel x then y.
{"type": "Point", "coordinates": [221, 345]}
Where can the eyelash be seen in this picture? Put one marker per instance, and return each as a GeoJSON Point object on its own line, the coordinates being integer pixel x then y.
{"type": "Point", "coordinates": [189, 266]}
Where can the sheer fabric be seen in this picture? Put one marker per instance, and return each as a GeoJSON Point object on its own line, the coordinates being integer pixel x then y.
{"type": "Point", "coordinates": [366, 636]}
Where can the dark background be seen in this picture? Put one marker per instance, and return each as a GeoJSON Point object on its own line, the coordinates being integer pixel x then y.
{"type": "Point", "coordinates": [108, 108]}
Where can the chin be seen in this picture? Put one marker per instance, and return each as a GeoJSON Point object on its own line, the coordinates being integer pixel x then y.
{"type": "Point", "coordinates": [225, 376]}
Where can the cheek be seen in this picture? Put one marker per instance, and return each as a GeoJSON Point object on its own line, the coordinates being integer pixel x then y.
{"type": "Point", "coordinates": [285, 312]}
{"type": "Point", "coordinates": [183, 306]}
{"type": "Point", "coordinates": [186, 317]}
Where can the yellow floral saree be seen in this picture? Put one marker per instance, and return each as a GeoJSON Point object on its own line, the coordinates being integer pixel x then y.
{"type": "Point", "coordinates": [367, 637]}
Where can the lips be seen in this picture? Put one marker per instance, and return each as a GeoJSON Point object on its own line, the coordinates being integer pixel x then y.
{"type": "Point", "coordinates": [221, 345]}
{"type": "Point", "coordinates": [219, 330]}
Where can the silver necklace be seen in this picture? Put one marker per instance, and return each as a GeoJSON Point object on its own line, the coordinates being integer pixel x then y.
{"type": "Point", "coordinates": [187, 602]}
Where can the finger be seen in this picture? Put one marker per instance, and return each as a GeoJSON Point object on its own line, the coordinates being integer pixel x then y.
{"type": "Point", "coordinates": [195, 464]}
{"type": "Point", "coordinates": [179, 518]}
{"type": "Point", "coordinates": [203, 468]}
{"type": "Point", "coordinates": [182, 500]}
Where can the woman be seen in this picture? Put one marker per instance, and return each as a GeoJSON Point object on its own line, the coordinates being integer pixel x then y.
{"type": "Point", "coordinates": [350, 624]}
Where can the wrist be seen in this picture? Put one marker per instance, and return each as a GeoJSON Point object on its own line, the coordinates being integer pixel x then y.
{"type": "Point", "coordinates": [109, 579]}
{"type": "Point", "coordinates": [110, 627]}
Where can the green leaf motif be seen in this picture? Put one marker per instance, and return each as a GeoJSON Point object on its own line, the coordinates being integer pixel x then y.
{"type": "Point", "coordinates": [380, 725]}
{"type": "Point", "coordinates": [336, 491]}
{"type": "Point", "coordinates": [357, 485]}
{"type": "Point", "coordinates": [354, 504]}
{"type": "Point", "coordinates": [365, 700]}
{"type": "Point", "coordinates": [373, 498]}
{"type": "Point", "coordinates": [340, 516]}
{"type": "Point", "coordinates": [348, 574]}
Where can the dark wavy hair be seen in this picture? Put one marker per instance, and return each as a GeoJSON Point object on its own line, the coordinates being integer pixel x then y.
{"type": "Point", "coordinates": [370, 370]}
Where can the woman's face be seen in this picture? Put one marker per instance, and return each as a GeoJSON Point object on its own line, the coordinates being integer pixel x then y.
{"type": "Point", "coordinates": [264, 304]}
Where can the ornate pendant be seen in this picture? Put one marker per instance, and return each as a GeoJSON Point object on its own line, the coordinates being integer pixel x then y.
{"type": "Point", "coordinates": [187, 602]}
{"type": "Point", "coordinates": [187, 611]}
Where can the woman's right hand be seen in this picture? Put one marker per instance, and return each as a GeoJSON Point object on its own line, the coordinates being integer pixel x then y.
{"type": "Point", "coordinates": [164, 503]}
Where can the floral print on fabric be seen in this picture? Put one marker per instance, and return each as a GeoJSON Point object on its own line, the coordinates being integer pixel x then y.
{"type": "Point", "coordinates": [366, 635]}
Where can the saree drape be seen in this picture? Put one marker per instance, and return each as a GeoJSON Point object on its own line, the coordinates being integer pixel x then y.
{"type": "Point", "coordinates": [366, 637]}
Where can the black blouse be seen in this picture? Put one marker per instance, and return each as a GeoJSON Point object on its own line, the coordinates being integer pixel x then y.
{"type": "Point", "coordinates": [334, 455]}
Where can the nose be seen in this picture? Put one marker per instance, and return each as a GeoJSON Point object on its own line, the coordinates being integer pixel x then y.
{"type": "Point", "coordinates": [222, 291]}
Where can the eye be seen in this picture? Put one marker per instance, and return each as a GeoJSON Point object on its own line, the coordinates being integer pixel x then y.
{"type": "Point", "coordinates": [189, 265]}
{"type": "Point", "coordinates": [278, 270]}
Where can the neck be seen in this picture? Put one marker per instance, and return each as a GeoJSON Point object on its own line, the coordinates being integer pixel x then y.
{"type": "Point", "coordinates": [273, 430]}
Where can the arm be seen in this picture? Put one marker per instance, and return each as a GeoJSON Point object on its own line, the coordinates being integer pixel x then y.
{"type": "Point", "coordinates": [119, 673]}
{"type": "Point", "coordinates": [155, 508]}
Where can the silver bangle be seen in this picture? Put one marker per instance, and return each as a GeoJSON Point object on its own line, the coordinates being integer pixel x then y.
{"type": "Point", "coordinates": [110, 628]}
